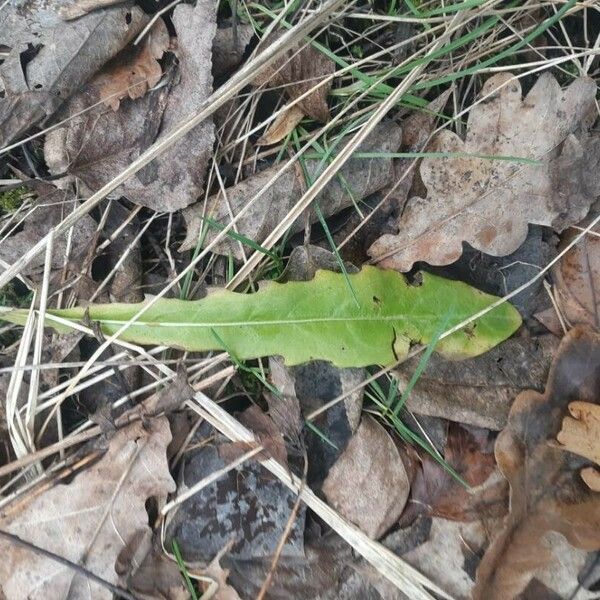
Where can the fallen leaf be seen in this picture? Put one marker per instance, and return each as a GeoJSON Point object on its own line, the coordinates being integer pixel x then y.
{"type": "Point", "coordinates": [89, 520]}
{"type": "Point", "coordinates": [488, 203]}
{"type": "Point", "coordinates": [134, 74]}
{"type": "Point", "coordinates": [480, 391]}
{"type": "Point", "coordinates": [298, 71]}
{"type": "Point", "coordinates": [368, 484]}
{"type": "Point", "coordinates": [96, 143]}
{"type": "Point", "coordinates": [282, 126]}
{"type": "Point", "coordinates": [51, 206]}
{"type": "Point", "coordinates": [68, 54]}
{"type": "Point", "coordinates": [580, 434]}
{"type": "Point", "coordinates": [308, 320]}
{"type": "Point", "coordinates": [547, 494]}
{"type": "Point", "coordinates": [245, 505]}
{"type": "Point", "coordinates": [576, 280]}
{"type": "Point", "coordinates": [361, 175]}
{"type": "Point", "coordinates": [469, 451]}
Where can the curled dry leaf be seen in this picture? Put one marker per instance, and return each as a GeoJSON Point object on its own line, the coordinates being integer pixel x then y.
{"type": "Point", "coordinates": [298, 71]}
{"type": "Point", "coordinates": [580, 434]}
{"type": "Point", "coordinates": [576, 284]}
{"type": "Point", "coordinates": [90, 520]}
{"type": "Point", "coordinates": [134, 74]}
{"type": "Point", "coordinates": [368, 484]}
{"type": "Point", "coordinates": [488, 203]}
{"type": "Point", "coordinates": [547, 493]}
{"type": "Point", "coordinates": [96, 143]}
{"type": "Point", "coordinates": [362, 176]}
{"type": "Point", "coordinates": [68, 54]}
{"type": "Point", "coordinates": [283, 125]}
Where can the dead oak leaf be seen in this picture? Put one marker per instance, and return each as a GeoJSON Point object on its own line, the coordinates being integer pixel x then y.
{"type": "Point", "coordinates": [90, 520]}
{"type": "Point", "coordinates": [133, 75]}
{"type": "Point", "coordinates": [580, 434]}
{"type": "Point", "coordinates": [547, 493]}
{"type": "Point", "coordinates": [488, 203]}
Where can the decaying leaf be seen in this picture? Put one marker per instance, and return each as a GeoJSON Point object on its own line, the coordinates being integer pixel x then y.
{"type": "Point", "coordinates": [98, 142]}
{"type": "Point", "coordinates": [51, 206]}
{"type": "Point", "coordinates": [469, 451]}
{"type": "Point", "coordinates": [580, 434]}
{"type": "Point", "coordinates": [245, 505]}
{"type": "Point", "coordinates": [89, 520]}
{"type": "Point", "coordinates": [318, 319]}
{"type": "Point", "coordinates": [282, 126]}
{"type": "Point", "coordinates": [547, 493]}
{"type": "Point", "coordinates": [488, 203]}
{"type": "Point", "coordinates": [368, 484]}
{"type": "Point", "coordinates": [576, 287]}
{"type": "Point", "coordinates": [480, 391]}
{"type": "Point", "coordinates": [134, 74]}
{"type": "Point", "coordinates": [68, 54]}
{"type": "Point", "coordinates": [361, 176]}
{"type": "Point", "coordinates": [298, 71]}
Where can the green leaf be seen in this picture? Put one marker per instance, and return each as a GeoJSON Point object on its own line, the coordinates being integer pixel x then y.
{"type": "Point", "coordinates": [317, 319]}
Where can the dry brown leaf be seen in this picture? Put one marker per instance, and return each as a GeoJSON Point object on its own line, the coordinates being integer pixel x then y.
{"type": "Point", "coordinates": [298, 71]}
{"type": "Point", "coordinates": [96, 143]}
{"type": "Point", "coordinates": [576, 284]}
{"type": "Point", "coordinates": [361, 175]}
{"type": "Point", "coordinates": [580, 434]}
{"type": "Point", "coordinates": [90, 520]}
{"type": "Point", "coordinates": [283, 125]}
{"type": "Point", "coordinates": [469, 451]}
{"type": "Point", "coordinates": [134, 74]}
{"type": "Point", "coordinates": [547, 493]}
{"type": "Point", "coordinates": [368, 484]}
{"type": "Point", "coordinates": [67, 55]}
{"type": "Point", "coordinates": [488, 203]}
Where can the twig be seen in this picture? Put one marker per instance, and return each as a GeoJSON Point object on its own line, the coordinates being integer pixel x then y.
{"type": "Point", "coordinates": [115, 589]}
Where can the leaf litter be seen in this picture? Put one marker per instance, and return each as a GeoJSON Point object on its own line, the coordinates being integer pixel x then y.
{"type": "Point", "coordinates": [409, 465]}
